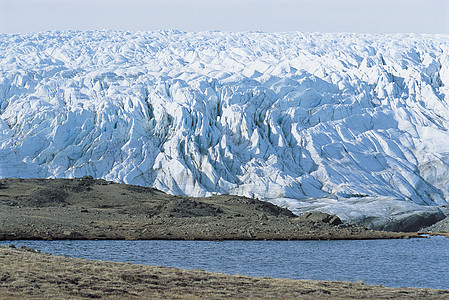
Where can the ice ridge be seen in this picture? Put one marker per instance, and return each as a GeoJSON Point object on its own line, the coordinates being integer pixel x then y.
{"type": "Point", "coordinates": [343, 123]}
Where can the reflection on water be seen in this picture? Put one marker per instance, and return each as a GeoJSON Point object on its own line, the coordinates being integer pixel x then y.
{"type": "Point", "coordinates": [394, 263]}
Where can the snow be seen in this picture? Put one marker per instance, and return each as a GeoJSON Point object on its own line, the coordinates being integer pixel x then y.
{"type": "Point", "coordinates": [351, 124]}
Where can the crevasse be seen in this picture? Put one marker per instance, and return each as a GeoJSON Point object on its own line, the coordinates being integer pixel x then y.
{"type": "Point", "coordinates": [343, 123]}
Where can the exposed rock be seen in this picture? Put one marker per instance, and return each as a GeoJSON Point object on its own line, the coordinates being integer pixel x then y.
{"type": "Point", "coordinates": [441, 226]}
{"type": "Point", "coordinates": [321, 217]}
{"type": "Point", "coordinates": [411, 222]}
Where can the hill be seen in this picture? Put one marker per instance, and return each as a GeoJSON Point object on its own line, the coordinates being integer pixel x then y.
{"type": "Point", "coordinates": [86, 208]}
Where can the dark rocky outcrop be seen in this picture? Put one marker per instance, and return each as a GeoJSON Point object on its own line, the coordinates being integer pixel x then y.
{"type": "Point", "coordinates": [410, 222]}
{"type": "Point", "coordinates": [317, 216]}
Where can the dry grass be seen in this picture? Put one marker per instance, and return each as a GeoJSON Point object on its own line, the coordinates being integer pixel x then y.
{"type": "Point", "coordinates": [28, 275]}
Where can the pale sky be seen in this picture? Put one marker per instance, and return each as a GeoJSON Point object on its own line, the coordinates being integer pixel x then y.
{"type": "Point", "coordinates": [370, 16]}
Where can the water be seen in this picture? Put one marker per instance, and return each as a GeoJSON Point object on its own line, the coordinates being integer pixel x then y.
{"type": "Point", "coordinates": [393, 263]}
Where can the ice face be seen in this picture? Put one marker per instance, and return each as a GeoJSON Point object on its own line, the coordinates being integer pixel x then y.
{"type": "Point", "coordinates": [350, 124]}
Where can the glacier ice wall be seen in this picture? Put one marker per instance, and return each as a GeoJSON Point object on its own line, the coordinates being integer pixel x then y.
{"type": "Point", "coordinates": [349, 124]}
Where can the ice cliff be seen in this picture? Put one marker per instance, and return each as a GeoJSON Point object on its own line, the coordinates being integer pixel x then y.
{"type": "Point", "coordinates": [350, 124]}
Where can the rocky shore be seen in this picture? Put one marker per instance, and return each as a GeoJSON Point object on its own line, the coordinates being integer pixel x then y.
{"type": "Point", "coordinates": [27, 274]}
{"type": "Point", "coordinates": [86, 208]}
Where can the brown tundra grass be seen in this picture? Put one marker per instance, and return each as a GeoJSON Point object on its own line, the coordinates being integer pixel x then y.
{"type": "Point", "coordinates": [25, 274]}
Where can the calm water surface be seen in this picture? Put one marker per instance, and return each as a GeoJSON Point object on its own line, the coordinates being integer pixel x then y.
{"type": "Point", "coordinates": [394, 263]}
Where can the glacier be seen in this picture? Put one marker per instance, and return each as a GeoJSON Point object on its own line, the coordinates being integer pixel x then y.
{"type": "Point", "coordinates": [350, 124]}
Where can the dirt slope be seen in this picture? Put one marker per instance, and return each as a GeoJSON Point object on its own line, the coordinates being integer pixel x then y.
{"type": "Point", "coordinates": [86, 208]}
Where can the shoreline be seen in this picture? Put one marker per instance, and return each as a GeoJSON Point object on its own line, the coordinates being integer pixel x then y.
{"type": "Point", "coordinates": [27, 274]}
{"type": "Point", "coordinates": [371, 236]}
{"type": "Point", "coordinates": [378, 235]}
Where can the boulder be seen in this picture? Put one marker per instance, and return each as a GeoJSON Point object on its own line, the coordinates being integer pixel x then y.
{"type": "Point", "coordinates": [318, 216]}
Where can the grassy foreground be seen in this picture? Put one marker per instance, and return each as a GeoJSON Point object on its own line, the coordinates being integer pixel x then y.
{"type": "Point", "coordinates": [25, 274]}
